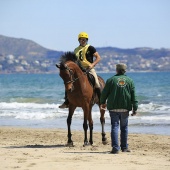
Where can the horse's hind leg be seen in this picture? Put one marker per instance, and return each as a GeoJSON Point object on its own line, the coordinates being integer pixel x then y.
{"type": "Point", "coordinates": [102, 120]}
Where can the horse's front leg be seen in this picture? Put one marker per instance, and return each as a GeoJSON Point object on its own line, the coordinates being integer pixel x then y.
{"type": "Point", "coordinates": [69, 120]}
{"type": "Point", "coordinates": [85, 127]}
{"type": "Point", "coordinates": [91, 126]}
{"type": "Point", "coordinates": [88, 117]}
{"type": "Point", "coordinates": [102, 121]}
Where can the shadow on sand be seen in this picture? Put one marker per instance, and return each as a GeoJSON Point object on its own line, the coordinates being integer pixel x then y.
{"type": "Point", "coordinates": [38, 146]}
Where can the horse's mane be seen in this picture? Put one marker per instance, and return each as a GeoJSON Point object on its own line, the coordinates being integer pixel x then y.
{"type": "Point", "coordinates": [70, 56]}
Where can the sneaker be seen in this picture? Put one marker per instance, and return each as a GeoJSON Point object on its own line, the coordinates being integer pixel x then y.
{"type": "Point", "coordinates": [63, 106]}
{"type": "Point", "coordinates": [125, 150]}
{"type": "Point", "coordinates": [113, 151]}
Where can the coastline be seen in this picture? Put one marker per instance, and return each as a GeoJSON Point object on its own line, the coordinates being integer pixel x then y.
{"type": "Point", "coordinates": [35, 149]}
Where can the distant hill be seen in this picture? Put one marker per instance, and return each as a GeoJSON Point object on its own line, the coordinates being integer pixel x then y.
{"type": "Point", "coordinates": [28, 48]}
{"type": "Point", "coordinates": [24, 47]}
{"type": "Point", "coordinates": [145, 52]}
{"type": "Point", "coordinates": [18, 55]}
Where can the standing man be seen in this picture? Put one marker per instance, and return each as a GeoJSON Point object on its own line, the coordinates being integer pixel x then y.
{"type": "Point", "coordinates": [119, 92]}
{"type": "Point", "coordinates": [86, 53]}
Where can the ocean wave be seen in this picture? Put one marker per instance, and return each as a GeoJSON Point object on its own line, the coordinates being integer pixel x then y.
{"type": "Point", "coordinates": [17, 110]}
{"type": "Point", "coordinates": [39, 111]}
{"type": "Point", "coordinates": [27, 100]}
{"type": "Point", "coordinates": [149, 124]}
{"type": "Point", "coordinates": [149, 107]}
{"type": "Point", "coordinates": [165, 119]}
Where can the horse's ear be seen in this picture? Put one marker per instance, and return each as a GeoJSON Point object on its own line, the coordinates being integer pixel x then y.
{"type": "Point", "coordinates": [58, 66]}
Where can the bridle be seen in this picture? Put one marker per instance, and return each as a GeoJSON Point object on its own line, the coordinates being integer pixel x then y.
{"type": "Point", "coordinates": [72, 80]}
{"type": "Point", "coordinates": [71, 75]}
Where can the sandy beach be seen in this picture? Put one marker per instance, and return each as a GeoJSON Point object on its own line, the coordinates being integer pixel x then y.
{"type": "Point", "coordinates": [42, 149]}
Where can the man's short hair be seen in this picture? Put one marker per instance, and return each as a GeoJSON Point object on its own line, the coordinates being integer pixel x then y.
{"type": "Point", "coordinates": [121, 68]}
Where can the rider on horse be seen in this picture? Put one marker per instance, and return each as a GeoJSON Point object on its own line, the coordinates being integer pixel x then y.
{"type": "Point", "coordinates": [85, 54]}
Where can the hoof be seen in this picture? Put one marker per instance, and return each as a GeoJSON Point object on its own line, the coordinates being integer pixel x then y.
{"type": "Point", "coordinates": [70, 144]}
{"type": "Point", "coordinates": [87, 144]}
{"type": "Point", "coordinates": [104, 142]}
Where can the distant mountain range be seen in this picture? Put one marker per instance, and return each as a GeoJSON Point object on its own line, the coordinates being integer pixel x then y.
{"type": "Point", "coordinates": [24, 47]}
{"type": "Point", "coordinates": [27, 51]}
{"type": "Point", "coordinates": [145, 52]}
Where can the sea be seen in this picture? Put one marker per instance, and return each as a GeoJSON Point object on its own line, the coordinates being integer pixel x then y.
{"type": "Point", "coordinates": [32, 100]}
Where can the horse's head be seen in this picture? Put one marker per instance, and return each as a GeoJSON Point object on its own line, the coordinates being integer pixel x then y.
{"type": "Point", "coordinates": [67, 67]}
{"type": "Point", "coordinates": [67, 75]}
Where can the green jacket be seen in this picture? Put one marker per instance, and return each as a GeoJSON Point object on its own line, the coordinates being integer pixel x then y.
{"type": "Point", "coordinates": [119, 92]}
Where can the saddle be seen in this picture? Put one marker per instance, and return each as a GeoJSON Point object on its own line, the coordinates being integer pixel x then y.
{"type": "Point", "coordinates": [95, 91]}
{"type": "Point", "coordinates": [89, 76]}
{"type": "Point", "coordinates": [91, 79]}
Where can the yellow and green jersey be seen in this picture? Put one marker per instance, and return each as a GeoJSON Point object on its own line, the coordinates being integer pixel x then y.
{"type": "Point", "coordinates": [85, 54]}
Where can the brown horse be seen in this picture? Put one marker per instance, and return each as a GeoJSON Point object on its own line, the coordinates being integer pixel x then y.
{"type": "Point", "coordinates": [80, 93]}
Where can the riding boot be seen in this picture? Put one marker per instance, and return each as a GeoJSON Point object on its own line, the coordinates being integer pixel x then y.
{"type": "Point", "coordinates": [98, 92]}
{"type": "Point", "coordinates": [66, 102]}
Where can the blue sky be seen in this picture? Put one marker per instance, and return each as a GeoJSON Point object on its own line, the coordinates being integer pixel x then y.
{"type": "Point", "coordinates": [55, 24]}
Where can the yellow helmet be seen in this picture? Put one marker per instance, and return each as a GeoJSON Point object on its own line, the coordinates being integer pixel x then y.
{"type": "Point", "coordinates": [83, 35]}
